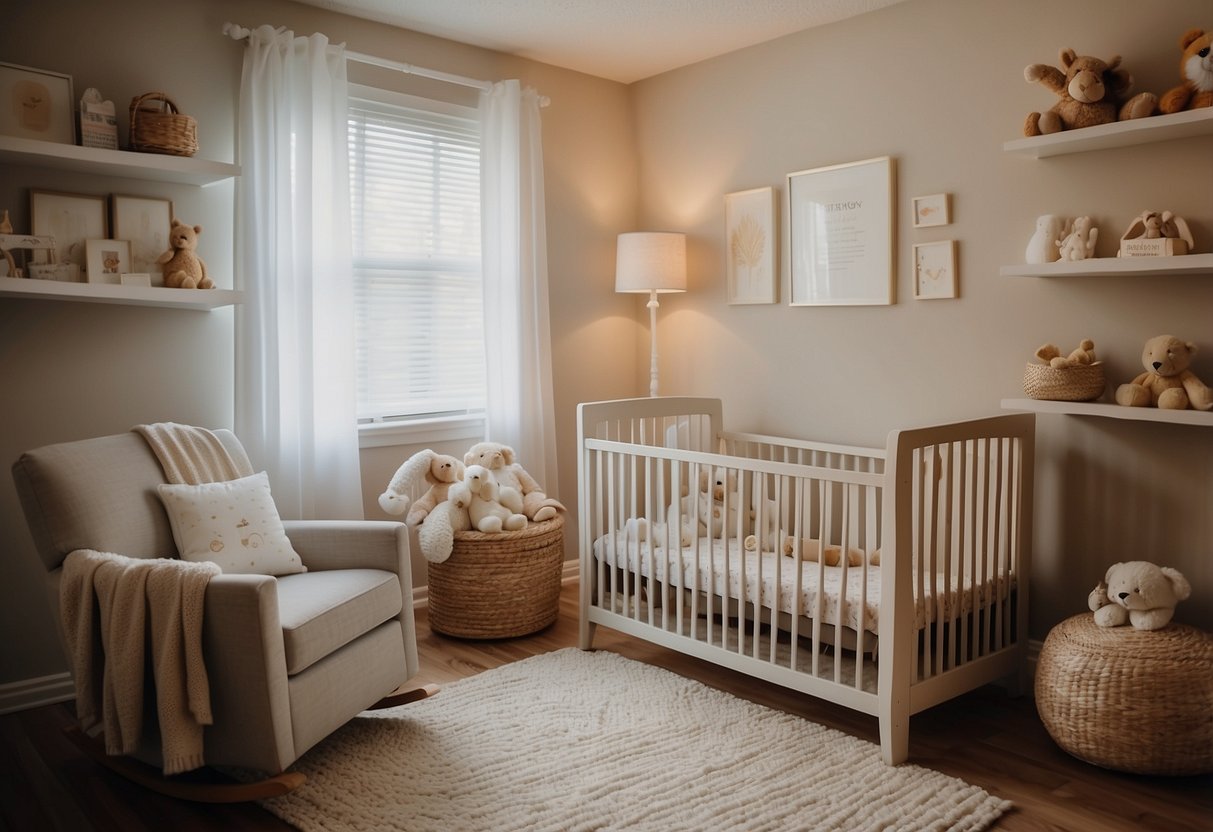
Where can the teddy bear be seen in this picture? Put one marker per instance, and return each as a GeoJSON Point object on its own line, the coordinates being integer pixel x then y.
{"type": "Point", "coordinates": [182, 266]}
{"type": "Point", "coordinates": [439, 470]}
{"type": "Point", "coordinates": [1167, 383]}
{"type": "Point", "coordinates": [436, 534]}
{"type": "Point", "coordinates": [486, 510]}
{"type": "Point", "coordinates": [1084, 353]}
{"type": "Point", "coordinates": [1042, 247]}
{"type": "Point", "coordinates": [1089, 91]}
{"type": "Point", "coordinates": [1079, 244]}
{"type": "Point", "coordinates": [1139, 593]}
{"type": "Point", "coordinates": [502, 461]}
{"type": "Point", "coordinates": [1196, 69]}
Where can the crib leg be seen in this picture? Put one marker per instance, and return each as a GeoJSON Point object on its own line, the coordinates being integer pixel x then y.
{"type": "Point", "coordinates": [586, 637]}
{"type": "Point", "coordinates": [894, 735]}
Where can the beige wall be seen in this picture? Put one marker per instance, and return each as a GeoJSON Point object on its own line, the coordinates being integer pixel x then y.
{"type": "Point", "coordinates": [938, 85]}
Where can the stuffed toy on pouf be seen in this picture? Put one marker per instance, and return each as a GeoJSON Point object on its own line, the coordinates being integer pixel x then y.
{"type": "Point", "coordinates": [488, 511]}
{"type": "Point", "coordinates": [1089, 92]}
{"type": "Point", "coordinates": [502, 461]}
{"type": "Point", "coordinates": [1167, 382]}
{"type": "Point", "coordinates": [436, 535]}
{"type": "Point", "coordinates": [439, 470]}
{"type": "Point", "coordinates": [1139, 593]}
{"type": "Point", "coordinates": [1196, 69]}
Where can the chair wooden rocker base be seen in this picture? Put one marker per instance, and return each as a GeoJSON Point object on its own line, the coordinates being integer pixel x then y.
{"type": "Point", "coordinates": [207, 785]}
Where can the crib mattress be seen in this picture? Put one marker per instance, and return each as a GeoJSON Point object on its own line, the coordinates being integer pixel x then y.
{"type": "Point", "coordinates": [778, 580]}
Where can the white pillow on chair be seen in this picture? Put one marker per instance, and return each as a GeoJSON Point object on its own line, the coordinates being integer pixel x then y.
{"type": "Point", "coordinates": [234, 524]}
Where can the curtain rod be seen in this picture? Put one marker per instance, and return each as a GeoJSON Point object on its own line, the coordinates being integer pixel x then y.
{"type": "Point", "coordinates": [237, 32]}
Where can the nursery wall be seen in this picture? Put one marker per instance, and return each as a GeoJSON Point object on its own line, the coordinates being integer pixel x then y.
{"type": "Point", "coordinates": [933, 85]}
{"type": "Point", "coordinates": [72, 371]}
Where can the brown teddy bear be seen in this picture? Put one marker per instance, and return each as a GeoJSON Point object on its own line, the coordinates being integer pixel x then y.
{"type": "Point", "coordinates": [1083, 354]}
{"type": "Point", "coordinates": [1167, 382]}
{"type": "Point", "coordinates": [183, 268]}
{"type": "Point", "coordinates": [1089, 91]}
{"type": "Point", "coordinates": [1196, 68]}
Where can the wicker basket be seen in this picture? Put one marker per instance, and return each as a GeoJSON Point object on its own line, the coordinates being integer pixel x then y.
{"type": "Point", "coordinates": [498, 585]}
{"type": "Point", "coordinates": [157, 126]}
{"type": "Point", "coordinates": [1081, 383]}
{"type": "Point", "coordinates": [1126, 699]}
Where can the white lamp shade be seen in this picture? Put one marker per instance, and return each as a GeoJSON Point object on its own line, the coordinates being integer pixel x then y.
{"type": "Point", "coordinates": [651, 261]}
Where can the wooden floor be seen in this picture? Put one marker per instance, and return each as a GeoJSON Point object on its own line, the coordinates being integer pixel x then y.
{"type": "Point", "coordinates": [985, 738]}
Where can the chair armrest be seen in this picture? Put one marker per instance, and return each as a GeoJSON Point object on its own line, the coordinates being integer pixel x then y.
{"type": "Point", "coordinates": [352, 544]}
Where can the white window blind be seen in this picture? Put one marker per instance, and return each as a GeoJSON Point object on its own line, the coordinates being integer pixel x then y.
{"type": "Point", "coordinates": [415, 199]}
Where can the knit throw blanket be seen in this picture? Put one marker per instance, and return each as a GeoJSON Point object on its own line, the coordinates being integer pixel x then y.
{"type": "Point", "coordinates": [191, 455]}
{"type": "Point", "coordinates": [108, 603]}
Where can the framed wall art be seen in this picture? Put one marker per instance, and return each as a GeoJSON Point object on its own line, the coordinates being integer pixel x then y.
{"type": "Point", "coordinates": [935, 270]}
{"type": "Point", "coordinates": [70, 219]}
{"type": "Point", "coordinates": [36, 104]}
{"type": "Point", "coordinates": [932, 210]}
{"type": "Point", "coordinates": [751, 267]}
{"type": "Point", "coordinates": [840, 221]}
{"type": "Point", "coordinates": [144, 221]}
{"type": "Point", "coordinates": [107, 260]}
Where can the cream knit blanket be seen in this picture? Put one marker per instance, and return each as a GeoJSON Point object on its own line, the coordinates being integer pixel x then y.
{"type": "Point", "coordinates": [108, 602]}
{"type": "Point", "coordinates": [191, 455]}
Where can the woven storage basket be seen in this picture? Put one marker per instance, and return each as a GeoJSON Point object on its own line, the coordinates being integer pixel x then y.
{"type": "Point", "coordinates": [157, 126]}
{"type": "Point", "coordinates": [498, 585]}
{"type": "Point", "coordinates": [1081, 383]}
{"type": "Point", "coordinates": [1126, 699]}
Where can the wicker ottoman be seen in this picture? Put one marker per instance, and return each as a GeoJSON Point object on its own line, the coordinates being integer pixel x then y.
{"type": "Point", "coordinates": [498, 585]}
{"type": "Point", "coordinates": [1129, 700]}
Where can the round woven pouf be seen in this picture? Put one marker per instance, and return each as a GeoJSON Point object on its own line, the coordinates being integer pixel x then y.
{"type": "Point", "coordinates": [498, 585]}
{"type": "Point", "coordinates": [1126, 699]}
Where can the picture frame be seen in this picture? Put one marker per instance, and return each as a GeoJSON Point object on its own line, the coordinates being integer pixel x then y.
{"type": "Point", "coordinates": [37, 104]}
{"type": "Point", "coordinates": [932, 210]}
{"type": "Point", "coordinates": [935, 270]}
{"type": "Point", "coordinates": [143, 221]}
{"type": "Point", "coordinates": [107, 260]}
{"type": "Point", "coordinates": [751, 247]}
{"type": "Point", "coordinates": [840, 225]}
{"type": "Point", "coordinates": [70, 219]}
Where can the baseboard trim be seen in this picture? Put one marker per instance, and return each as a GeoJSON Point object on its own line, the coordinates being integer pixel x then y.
{"type": "Point", "coordinates": [33, 693]}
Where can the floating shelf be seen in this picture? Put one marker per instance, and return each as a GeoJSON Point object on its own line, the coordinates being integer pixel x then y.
{"type": "Point", "coordinates": [94, 160]}
{"type": "Point", "coordinates": [1117, 134]}
{"type": "Point", "coordinates": [1187, 264]}
{"type": "Point", "coordinates": [193, 299]}
{"type": "Point", "coordinates": [1112, 411]}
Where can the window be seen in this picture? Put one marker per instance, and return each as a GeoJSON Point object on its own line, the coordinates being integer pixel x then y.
{"type": "Point", "coordinates": [415, 200]}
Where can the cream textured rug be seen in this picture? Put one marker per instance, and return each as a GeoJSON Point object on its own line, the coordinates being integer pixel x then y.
{"type": "Point", "coordinates": [593, 741]}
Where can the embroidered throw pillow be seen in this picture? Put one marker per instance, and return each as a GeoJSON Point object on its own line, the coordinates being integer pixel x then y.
{"type": "Point", "coordinates": [234, 524]}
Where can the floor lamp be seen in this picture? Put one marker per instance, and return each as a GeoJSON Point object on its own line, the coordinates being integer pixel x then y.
{"type": "Point", "coordinates": [653, 262]}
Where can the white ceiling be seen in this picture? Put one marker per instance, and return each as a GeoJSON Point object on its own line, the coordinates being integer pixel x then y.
{"type": "Point", "coordinates": [622, 40]}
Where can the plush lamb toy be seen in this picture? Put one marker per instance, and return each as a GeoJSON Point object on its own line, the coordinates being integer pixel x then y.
{"type": "Point", "coordinates": [1138, 593]}
{"type": "Point", "coordinates": [1196, 68]}
{"type": "Point", "coordinates": [439, 470]}
{"type": "Point", "coordinates": [436, 534]}
{"type": "Point", "coordinates": [1089, 91]}
{"type": "Point", "coordinates": [183, 268]}
{"type": "Point", "coordinates": [486, 510]}
{"type": "Point", "coordinates": [1167, 383]}
{"type": "Point", "coordinates": [502, 461]}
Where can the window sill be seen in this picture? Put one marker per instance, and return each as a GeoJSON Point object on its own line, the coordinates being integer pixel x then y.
{"type": "Point", "coordinates": [421, 431]}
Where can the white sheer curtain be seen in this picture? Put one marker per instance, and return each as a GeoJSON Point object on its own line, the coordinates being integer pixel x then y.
{"type": "Point", "coordinates": [517, 337]}
{"type": "Point", "coordinates": [295, 377]}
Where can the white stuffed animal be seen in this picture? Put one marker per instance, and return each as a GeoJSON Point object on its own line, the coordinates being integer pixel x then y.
{"type": "Point", "coordinates": [486, 511]}
{"type": "Point", "coordinates": [502, 461]}
{"type": "Point", "coordinates": [1139, 593]}
{"type": "Point", "coordinates": [1079, 244]}
{"type": "Point", "coordinates": [437, 532]}
{"type": "Point", "coordinates": [439, 470]}
{"type": "Point", "coordinates": [1042, 248]}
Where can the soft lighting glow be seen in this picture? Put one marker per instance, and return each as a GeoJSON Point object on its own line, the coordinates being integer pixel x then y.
{"type": "Point", "coordinates": [651, 261]}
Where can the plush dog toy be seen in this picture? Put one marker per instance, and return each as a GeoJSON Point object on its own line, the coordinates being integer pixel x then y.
{"type": "Point", "coordinates": [436, 535]}
{"type": "Point", "coordinates": [1167, 383]}
{"type": "Point", "coordinates": [487, 510]}
{"type": "Point", "coordinates": [502, 461]}
{"type": "Point", "coordinates": [439, 470]}
{"type": "Point", "coordinates": [183, 268]}
{"type": "Point", "coordinates": [1196, 69]}
{"type": "Point", "coordinates": [1089, 92]}
{"type": "Point", "coordinates": [1138, 593]}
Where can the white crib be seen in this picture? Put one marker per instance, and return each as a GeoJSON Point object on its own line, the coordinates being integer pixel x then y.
{"type": "Point", "coordinates": [940, 522]}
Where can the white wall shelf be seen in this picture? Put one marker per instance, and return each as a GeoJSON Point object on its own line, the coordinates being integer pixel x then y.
{"type": "Point", "coordinates": [1112, 411]}
{"type": "Point", "coordinates": [93, 160]}
{"type": "Point", "coordinates": [1118, 134]}
{"type": "Point", "coordinates": [192, 299]}
{"type": "Point", "coordinates": [1187, 264]}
